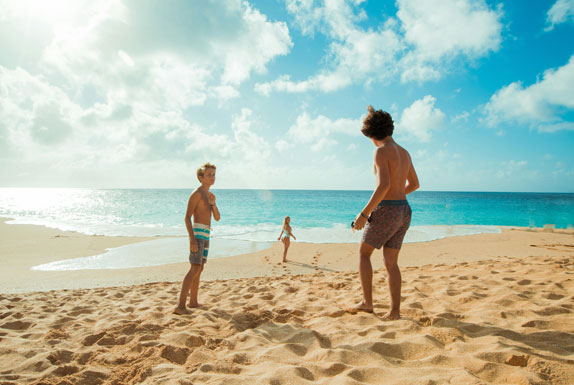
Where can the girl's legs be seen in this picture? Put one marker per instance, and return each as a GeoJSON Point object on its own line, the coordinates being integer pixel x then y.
{"type": "Point", "coordinates": [286, 242]}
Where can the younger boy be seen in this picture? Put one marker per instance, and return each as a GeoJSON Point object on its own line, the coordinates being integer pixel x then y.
{"type": "Point", "coordinates": [200, 206]}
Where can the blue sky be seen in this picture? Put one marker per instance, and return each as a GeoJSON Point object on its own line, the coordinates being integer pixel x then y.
{"type": "Point", "coordinates": [140, 93]}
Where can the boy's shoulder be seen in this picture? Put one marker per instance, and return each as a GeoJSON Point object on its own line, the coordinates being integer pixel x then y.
{"type": "Point", "coordinates": [195, 194]}
{"type": "Point", "coordinates": [382, 151]}
{"type": "Point", "coordinates": [199, 194]}
{"type": "Point", "coordinates": [389, 149]}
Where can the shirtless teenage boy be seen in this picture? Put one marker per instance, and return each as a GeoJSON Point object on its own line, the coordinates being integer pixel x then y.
{"type": "Point", "coordinates": [200, 206]}
{"type": "Point", "coordinates": [387, 215]}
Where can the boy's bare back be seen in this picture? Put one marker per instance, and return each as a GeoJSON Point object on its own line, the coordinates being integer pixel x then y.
{"type": "Point", "coordinates": [399, 166]}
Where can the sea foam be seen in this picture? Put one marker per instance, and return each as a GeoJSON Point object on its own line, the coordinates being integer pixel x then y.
{"type": "Point", "coordinates": [173, 250]}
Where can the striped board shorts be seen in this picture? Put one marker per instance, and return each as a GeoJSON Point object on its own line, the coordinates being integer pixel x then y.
{"type": "Point", "coordinates": [201, 233]}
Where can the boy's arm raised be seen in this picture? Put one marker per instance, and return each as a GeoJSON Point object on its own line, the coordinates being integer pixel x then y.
{"type": "Point", "coordinates": [191, 205]}
{"type": "Point", "coordinates": [214, 208]}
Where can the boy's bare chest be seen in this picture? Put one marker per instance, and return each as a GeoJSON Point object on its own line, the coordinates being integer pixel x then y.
{"type": "Point", "coordinates": [203, 207]}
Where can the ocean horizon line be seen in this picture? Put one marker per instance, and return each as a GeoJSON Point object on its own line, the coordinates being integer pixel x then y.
{"type": "Point", "coordinates": [277, 189]}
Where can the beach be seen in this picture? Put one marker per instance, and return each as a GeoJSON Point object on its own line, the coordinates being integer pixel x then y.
{"type": "Point", "coordinates": [278, 142]}
{"type": "Point", "coordinates": [477, 309]}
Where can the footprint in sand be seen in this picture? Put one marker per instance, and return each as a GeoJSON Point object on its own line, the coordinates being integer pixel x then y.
{"type": "Point", "coordinates": [93, 338]}
{"type": "Point", "coordinates": [4, 315]}
{"type": "Point", "coordinates": [66, 370]}
{"type": "Point", "coordinates": [61, 357]}
{"type": "Point", "coordinates": [175, 354]}
{"type": "Point", "coordinates": [290, 289]}
{"type": "Point", "coordinates": [16, 325]}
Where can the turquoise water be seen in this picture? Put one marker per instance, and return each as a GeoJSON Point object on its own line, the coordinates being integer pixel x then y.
{"type": "Point", "coordinates": [161, 212]}
{"type": "Point", "coordinates": [251, 219]}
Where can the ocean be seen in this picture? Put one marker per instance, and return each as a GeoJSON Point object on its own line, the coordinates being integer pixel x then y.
{"type": "Point", "coordinates": [251, 219]}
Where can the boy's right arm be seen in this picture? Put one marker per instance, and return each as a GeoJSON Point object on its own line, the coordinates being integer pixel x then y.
{"type": "Point", "coordinates": [191, 205]}
{"type": "Point", "coordinates": [412, 180]}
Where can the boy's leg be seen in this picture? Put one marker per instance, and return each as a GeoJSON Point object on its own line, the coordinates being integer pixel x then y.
{"type": "Point", "coordinates": [186, 284]}
{"type": "Point", "coordinates": [394, 275]}
{"type": "Point", "coordinates": [194, 287]}
{"type": "Point", "coordinates": [366, 273]}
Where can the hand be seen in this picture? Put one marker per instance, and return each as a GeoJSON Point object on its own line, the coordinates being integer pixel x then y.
{"type": "Point", "coordinates": [193, 245]}
{"type": "Point", "coordinates": [360, 222]}
{"type": "Point", "coordinates": [211, 199]}
{"type": "Point", "coordinates": [279, 238]}
{"type": "Point", "coordinates": [294, 237]}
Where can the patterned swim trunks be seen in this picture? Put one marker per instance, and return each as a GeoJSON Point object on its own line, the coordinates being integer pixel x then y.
{"type": "Point", "coordinates": [389, 223]}
{"type": "Point", "coordinates": [201, 233]}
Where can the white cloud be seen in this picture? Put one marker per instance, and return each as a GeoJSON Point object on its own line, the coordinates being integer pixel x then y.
{"type": "Point", "coordinates": [318, 131]}
{"type": "Point", "coordinates": [282, 145]}
{"type": "Point", "coordinates": [48, 134]}
{"type": "Point", "coordinates": [420, 119]}
{"type": "Point", "coordinates": [429, 37]}
{"type": "Point", "coordinates": [355, 55]}
{"type": "Point", "coordinates": [414, 70]}
{"type": "Point", "coordinates": [442, 30]}
{"type": "Point", "coordinates": [195, 51]}
{"type": "Point", "coordinates": [224, 92]}
{"type": "Point", "coordinates": [562, 126]}
{"type": "Point", "coordinates": [325, 82]}
{"type": "Point", "coordinates": [253, 147]}
{"type": "Point", "coordinates": [562, 11]}
{"type": "Point", "coordinates": [539, 104]}
{"type": "Point", "coordinates": [510, 168]}
{"type": "Point", "coordinates": [462, 117]}
{"type": "Point", "coordinates": [33, 111]}
{"type": "Point", "coordinates": [108, 89]}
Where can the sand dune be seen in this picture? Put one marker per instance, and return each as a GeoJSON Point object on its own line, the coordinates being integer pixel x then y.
{"type": "Point", "coordinates": [499, 321]}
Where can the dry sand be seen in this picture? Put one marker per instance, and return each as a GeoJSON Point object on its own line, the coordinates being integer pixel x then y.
{"type": "Point", "coordinates": [490, 308]}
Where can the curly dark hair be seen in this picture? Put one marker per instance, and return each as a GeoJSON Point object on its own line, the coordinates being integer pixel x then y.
{"type": "Point", "coordinates": [378, 124]}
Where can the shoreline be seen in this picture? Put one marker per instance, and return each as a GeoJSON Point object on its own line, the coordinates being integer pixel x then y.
{"type": "Point", "coordinates": [486, 308]}
{"type": "Point", "coordinates": [25, 246]}
{"type": "Point", "coordinates": [498, 319]}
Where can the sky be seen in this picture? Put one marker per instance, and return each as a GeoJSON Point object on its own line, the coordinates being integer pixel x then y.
{"type": "Point", "coordinates": [140, 93]}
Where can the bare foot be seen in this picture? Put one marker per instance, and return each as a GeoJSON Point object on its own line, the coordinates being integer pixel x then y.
{"type": "Point", "coordinates": [194, 305]}
{"type": "Point", "coordinates": [392, 315]}
{"type": "Point", "coordinates": [362, 307]}
{"type": "Point", "coordinates": [181, 311]}
{"type": "Point", "coordinates": [284, 260]}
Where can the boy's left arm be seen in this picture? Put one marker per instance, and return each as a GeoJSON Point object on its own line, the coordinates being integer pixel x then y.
{"type": "Point", "coordinates": [214, 208]}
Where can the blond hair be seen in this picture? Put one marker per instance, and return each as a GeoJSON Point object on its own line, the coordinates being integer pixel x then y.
{"type": "Point", "coordinates": [203, 168]}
